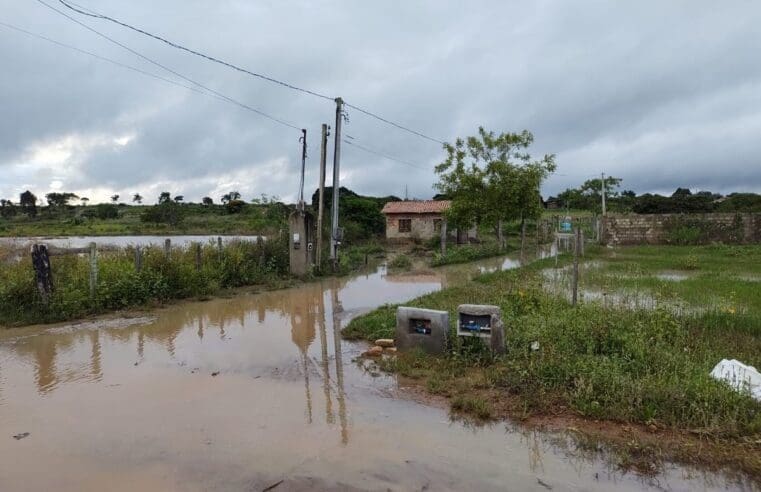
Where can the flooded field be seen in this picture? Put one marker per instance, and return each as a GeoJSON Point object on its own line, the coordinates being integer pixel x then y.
{"type": "Point", "coordinates": [259, 391]}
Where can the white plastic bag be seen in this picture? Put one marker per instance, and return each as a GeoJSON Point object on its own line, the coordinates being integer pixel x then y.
{"type": "Point", "coordinates": [739, 376]}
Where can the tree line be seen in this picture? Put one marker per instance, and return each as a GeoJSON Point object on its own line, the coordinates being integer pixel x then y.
{"type": "Point", "coordinates": [588, 196]}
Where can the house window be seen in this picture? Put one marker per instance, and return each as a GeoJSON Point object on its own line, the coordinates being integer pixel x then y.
{"type": "Point", "coordinates": [437, 225]}
{"type": "Point", "coordinates": [405, 225]}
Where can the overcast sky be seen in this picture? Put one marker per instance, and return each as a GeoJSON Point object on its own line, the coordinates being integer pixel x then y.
{"type": "Point", "coordinates": [661, 94]}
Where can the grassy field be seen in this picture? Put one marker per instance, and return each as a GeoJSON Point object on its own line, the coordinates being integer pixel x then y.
{"type": "Point", "coordinates": [196, 219]}
{"type": "Point", "coordinates": [646, 370]}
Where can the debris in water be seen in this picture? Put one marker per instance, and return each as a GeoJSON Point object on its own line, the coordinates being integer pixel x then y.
{"type": "Point", "coordinates": [215, 374]}
{"type": "Point", "coordinates": [375, 351]}
{"type": "Point", "coordinates": [385, 342]}
{"type": "Point", "coordinates": [267, 489]}
{"type": "Point", "coordinates": [739, 376]}
{"type": "Point", "coordinates": [546, 486]}
{"type": "Point", "coordinates": [21, 436]}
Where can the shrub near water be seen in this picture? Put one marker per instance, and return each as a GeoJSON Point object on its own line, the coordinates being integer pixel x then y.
{"type": "Point", "coordinates": [648, 367]}
{"type": "Point", "coordinates": [120, 286]}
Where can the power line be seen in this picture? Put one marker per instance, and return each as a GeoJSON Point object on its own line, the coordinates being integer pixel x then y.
{"type": "Point", "coordinates": [187, 79]}
{"type": "Point", "coordinates": [103, 58]}
{"type": "Point", "coordinates": [97, 15]}
{"type": "Point", "coordinates": [91, 13]}
{"type": "Point", "coordinates": [397, 125]}
{"type": "Point", "coordinates": [352, 141]}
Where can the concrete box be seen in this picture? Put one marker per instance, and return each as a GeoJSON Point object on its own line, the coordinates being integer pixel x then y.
{"type": "Point", "coordinates": [424, 328]}
{"type": "Point", "coordinates": [482, 321]}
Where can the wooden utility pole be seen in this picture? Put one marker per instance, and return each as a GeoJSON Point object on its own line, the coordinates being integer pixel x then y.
{"type": "Point", "coordinates": [602, 218]}
{"type": "Point", "coordinates": [334, 239]}
{"type": "Point", "coordinates": [321, 206]}
{"type": "Point", "coordinates": [43, 271]}
{"type": "Point", "coordinates": [93, 269]}
{"type": "Point", "coordinates": [303, 140]}
{"type": "Point", "coordinates": [603, 194]}
{"type": "Point", "coordinates": [577, 247]}
{"type": "Point", "coordinates": [443, 237]}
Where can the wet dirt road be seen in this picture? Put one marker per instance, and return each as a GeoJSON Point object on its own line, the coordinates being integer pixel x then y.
{"type": "Point", "coordinates": [256, 391]}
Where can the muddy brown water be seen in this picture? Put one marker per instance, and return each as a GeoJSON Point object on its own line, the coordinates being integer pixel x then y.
{"type": "Point", "coordinates": [258, 390]}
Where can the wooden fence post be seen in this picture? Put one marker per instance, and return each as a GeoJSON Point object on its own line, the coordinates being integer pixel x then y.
{"type": "Point", "coordinates": [93, 269]}
{"type": "Point", "coordinates": [138, 259]}
{"type": "Point", "coordinates": [575, 286]}
{"type": "Point", "coordinates": [43, 271]}
{"type": "Point", "coordinates": [167, 248]}
{"type": "Point", "coordinates": [443, 237]}
{"type": "Point", "coordinates": [198, 256]}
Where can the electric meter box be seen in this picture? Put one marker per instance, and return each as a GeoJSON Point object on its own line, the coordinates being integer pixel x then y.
{"type": "Point", "coordinates": [482, 321]}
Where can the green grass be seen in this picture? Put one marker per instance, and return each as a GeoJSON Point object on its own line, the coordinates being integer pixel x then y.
{"type": "Point", "coordinates": [121, 286]}
{"type": "Point", "coordinates": [466, 253]}
{"type": "Point", "coordinates": [611, 363]}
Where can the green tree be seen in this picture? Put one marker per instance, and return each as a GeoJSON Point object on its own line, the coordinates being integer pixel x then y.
{"type": "Point", "coordinates": [7, 208]}
{"type": "Point", "coordinates": [114, 198]}
{"type": "Point", "coordinates": [28, 203]}
{"type": "Point", "coordinates": [165, 197]}
{"type": "Point", "coordinates": [55, 199]}
{"type": "Point", "coordinates": [137, 198]}
{"type": "Point", "coordinates": [179, 199]}
{"type": "Point", "coordinates": [492, 178]}
{"type": "Point", "coordinates": [228, 197]}
{"type": "Point", "coordinates": [207, 201]}
{"type": "Point", "coordinates": [84, 201]}
{"type": "Point", "coordinates": [589, 195]}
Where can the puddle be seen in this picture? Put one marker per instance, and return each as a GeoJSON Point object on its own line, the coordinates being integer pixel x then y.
{"type": "Point", "coordinates": [243, 393]}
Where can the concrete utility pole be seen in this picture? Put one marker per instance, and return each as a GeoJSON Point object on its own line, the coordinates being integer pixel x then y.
{"type": "Point", "coordinates": [321, 206]}
{"type": "Point", "coordinates": [336, 185]}
{"type": "Point", "coordinates": [303, 140]}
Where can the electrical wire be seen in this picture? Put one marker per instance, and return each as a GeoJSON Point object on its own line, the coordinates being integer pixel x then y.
{"type": "Point", "coordinates": [174, 72]}
{"type": "Point", "coordinates": [91, 13]}
{"type": "Point", "coordinates": [352, 141]}
{"type": "Point", "coordinates": [103, 58]}
{"type": "Point", "coordinates": [97, 15]}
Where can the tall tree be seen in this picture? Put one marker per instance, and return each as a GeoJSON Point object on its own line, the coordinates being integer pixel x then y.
{"type": "Point", "coordinates": [84, 201]}
{"type": "Point", "coordinates": [207, 201]}
{"type": "Point", "coordinates": [114, 198]}
{"type": "Point", "coordinates": [228, 197]}
{"type": "Point", "coordinates": [165, 197]}
{"type": "Point", "coordinates": [491, 178]}
{"type": "Point", "coordinates": [28, 203]}
{"type": "Point", "coordinates": [137, 198]}
{"type": "Point", "coordinates": [179, 199]}
{"type": "Point", "coordinates": [56, 199]}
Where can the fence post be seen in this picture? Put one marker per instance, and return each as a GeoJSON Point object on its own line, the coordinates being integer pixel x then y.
{"type": "Point", "coordinates": [43, 271]}
{"type": "Point", "coordinates": [575, 287]}
{"type": "Point", "coordinates": [443, 237]}
{"type": "Point", "coordinates": [138, 259]}
{"type": "Point", "coordinates": [198, 256]}
{"type": "Point", "coordinates": [581, 242]}
{"type": "Point", "coordinates": [93, 269]}
{"type": "Point", "coordinates": [167, 248]}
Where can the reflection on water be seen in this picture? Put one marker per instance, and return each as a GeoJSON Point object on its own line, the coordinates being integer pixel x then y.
{"type": "Point", "coordinates": [240, 393]}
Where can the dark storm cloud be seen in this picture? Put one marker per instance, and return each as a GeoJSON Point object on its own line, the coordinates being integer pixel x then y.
{"type": "Point", "coordinates": [660, 95]}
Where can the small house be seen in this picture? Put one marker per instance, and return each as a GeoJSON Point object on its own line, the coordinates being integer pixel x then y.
{"type": "Point", "coordinates": [418, 220]}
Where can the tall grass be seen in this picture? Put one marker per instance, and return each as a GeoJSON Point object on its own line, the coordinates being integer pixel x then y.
{"type": "Point", "coordinates": [120, 285]}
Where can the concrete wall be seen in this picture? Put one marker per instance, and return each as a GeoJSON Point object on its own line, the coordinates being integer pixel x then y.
{"type": "Point", "coordinates": [422, 226]}
{"type": "Point", "coordinates": [682, 228]}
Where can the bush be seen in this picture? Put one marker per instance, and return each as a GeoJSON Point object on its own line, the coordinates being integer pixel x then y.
{"type": "Point", "coordinates": [401, 262]}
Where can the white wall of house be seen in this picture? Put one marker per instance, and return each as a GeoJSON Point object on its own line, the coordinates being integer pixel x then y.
{"type": "Point", "coordinates": [422, 226]}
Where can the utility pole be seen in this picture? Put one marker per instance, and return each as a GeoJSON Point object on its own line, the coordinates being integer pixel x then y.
{"type": "Point", "coordinates": [321, 206]}
{"type": "Point", "coordinates": [303, 140]}
{"type": "Point", "coordinates": [601, 227]}
{"type": "Point", "coordinates": [603, 194]}
{"type": "Point", "coordinates": [336, 185]}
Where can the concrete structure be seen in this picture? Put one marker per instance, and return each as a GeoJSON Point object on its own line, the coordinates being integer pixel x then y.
{"type": "Point", "coordinates": [671, 228]}
{"type": "Point", "coordinates": [426, 329]}
{"type": "Point", "coordinates": [419, 220]}
{"type": "Point", "coordinates": [301, 245]}
{"type": "Point", "coordinates": [482, 321]}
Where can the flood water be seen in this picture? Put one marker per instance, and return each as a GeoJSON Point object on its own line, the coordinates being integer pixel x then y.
{"type": "Point", "coordinates": [115, 241]}
{"type": "Point", "coordinates": [257, 390]}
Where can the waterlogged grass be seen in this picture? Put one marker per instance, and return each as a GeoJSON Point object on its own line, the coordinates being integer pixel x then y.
{"type": "Point", "coordinates": [121, 286]}
{"type": "Point", "coordinates": [466, 253]}
{"type": "Point", "coordinates": [614, 363]}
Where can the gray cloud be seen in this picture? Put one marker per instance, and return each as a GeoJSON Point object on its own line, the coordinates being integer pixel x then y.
{"type": "Point", "coordinates": [660, 95]}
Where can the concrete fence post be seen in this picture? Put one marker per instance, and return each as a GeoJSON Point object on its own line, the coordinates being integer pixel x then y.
{"type": "Point", "coordinates": [575, 279]}
{"type": "Point", "coordinates": [138, 259]}
{"type": "Point", "coordinates": [167, 248]}
{"type": "Point", "coordinates": [93, 269]}
{"type": "Point", "coordinates": [198, 256]}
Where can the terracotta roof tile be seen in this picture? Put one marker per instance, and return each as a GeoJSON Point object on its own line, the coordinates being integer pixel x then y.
{"type": "Point", "coordinates": [417, 207]}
